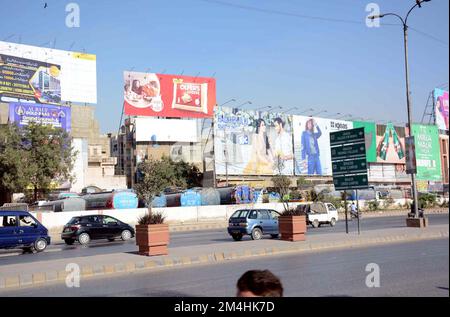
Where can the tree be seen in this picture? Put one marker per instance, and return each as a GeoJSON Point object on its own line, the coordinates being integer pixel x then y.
{"type": "Point", "coordinates": [281, 183]}
{"type": "Point", "coordinates": [303, 183]}
{"type": "Point", "coordinates": [35, 155]}
{"type": "Point", "coordinates": [189, 172]}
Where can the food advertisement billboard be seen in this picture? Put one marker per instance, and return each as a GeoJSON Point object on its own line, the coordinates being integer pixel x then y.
{"type": "Point", "coordinates": [149, 94]}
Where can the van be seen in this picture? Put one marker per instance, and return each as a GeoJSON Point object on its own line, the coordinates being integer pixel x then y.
{"type": "Point", "coordinates": [19, 229]}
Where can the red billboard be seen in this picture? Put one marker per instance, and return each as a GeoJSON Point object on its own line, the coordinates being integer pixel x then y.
{"type": "Point", "coordinates": [159, 95]}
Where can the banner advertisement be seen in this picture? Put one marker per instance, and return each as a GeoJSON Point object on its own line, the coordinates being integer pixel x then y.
{"type": "Point", "coordinates": [149, 94]}
{"type": "Point", "coordinates": [56, 116]}
{"type": "Point", "coordinates": [312, 144]}
{"type": "Point", "coordinates": [166, 130]}
{"type": "Point", "coordinates": [370, 132]}
{"type": "Point", "coordinates": [428, 156]}
{"type": "Point", "coordinates": [252, 142]}
{"type": "Point", "coordinates": [441, 108]}
{"type": "Point", "coordinates": [28, 80]}
{"type": "Point", "coordinates": [46, 75]}
{"type": "Point", "coordinates": [390, 142]}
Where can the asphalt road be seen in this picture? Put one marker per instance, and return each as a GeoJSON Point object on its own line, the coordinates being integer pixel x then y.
{"type": "Point", "coordinates": [409, 269]}
{"type": "Point", "coordinates": [205, 237]}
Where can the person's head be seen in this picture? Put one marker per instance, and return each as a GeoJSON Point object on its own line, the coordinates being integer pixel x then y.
{"type": "Point", "coordinates": [279, 125]}
{"type": "Point", "coordinates": [259, 283]}
{"type": "Point", "coordinates": [309, 126]}
{"type": "Point", "coordinates": [260, 126]}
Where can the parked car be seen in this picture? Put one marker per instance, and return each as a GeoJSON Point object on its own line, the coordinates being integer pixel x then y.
{"type": "Point", "coordinates": [321, 213]}
{"type": "Point", "coordinates": [19, 229]}
{"type": "Point", "coordinates": [94, 227]}
{"type": "Point", "coordinates": [253, 222]}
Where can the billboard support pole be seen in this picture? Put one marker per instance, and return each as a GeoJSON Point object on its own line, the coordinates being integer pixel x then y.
{"type": "Point", "coordinates": [346, 217]}
{"type": "Point", "coordinates": [357, 208]}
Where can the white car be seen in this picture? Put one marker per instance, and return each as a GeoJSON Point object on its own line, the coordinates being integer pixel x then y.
{"type": "Point", "coordinates": [322, 213]}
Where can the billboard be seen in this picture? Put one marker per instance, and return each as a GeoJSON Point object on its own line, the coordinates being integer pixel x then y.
{"type": "Point", "coordinates": [252, 142]}
{"type": "Point", "coordinates": [428, 154]}
{"type": "Point", "coordinates": [390, 142]}
{"type": "Point", "coordinates": [149, 94]}
{"type": "Point", "coordinates": [166, 130]}
{"type": "Point", "coordinates": [312, 144]}
{"type": "Point", "coordinates": [441, 108]}
{"type": "Point", "coordinates": [74, 73]}
{"type": "Point", "coordinates": [370, 136]}
{"type": "Point", "coordinates": [28, 80]}
{"type": "Point", "coordinates": [24, 113]}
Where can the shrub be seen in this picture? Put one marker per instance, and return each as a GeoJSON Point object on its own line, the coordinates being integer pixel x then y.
{"type": "Point", "coordinates": [151, 219]}
{"type": "Point", "coordinates": [427, 200]}
{"type": "Point", "coordinates": [374, 205]}
{"type": "Point", "coordinates": [300, 210]}
{"type": "Point", "coordinates": [295, 194]}
{"type": "Point", "coordinates": [265, 199]}
{"type": "Point", "coordinates": [444, 204]}
{"type": "Point", "coordinates": [388, 202]}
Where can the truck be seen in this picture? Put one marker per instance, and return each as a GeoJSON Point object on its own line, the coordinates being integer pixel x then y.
{"type": "Point", "coordinates": [321, 213]}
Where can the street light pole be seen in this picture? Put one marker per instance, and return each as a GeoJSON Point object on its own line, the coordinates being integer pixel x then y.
{"type": "Point", "coordinates": [408, 97]}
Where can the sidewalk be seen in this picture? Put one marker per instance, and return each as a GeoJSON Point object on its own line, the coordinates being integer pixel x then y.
{"type": "Point", "coordinates": [38, 273]}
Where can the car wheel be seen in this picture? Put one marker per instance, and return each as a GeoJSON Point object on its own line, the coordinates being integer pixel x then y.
{"type": "Point", "coordinates": [333, 222]}
{"type": "Point", "coordinates": [111, 239]}
{"type": "Point", "coordinates": [40, 245]}
{"type": "Point", "coordinates": [126, 235]}
{"type": "Point", "coordinates": [256, 234]}
{"type": "Point", "coordinates": [69, 241]}
{"type": "Point", "coordinates": [84, 238]}
{"type": "Point", "coordinates": [237, 237]}
{"type": "Point", "coordinates": [315, 223]}
{"type": "Point", "coordinates": [274, 236]}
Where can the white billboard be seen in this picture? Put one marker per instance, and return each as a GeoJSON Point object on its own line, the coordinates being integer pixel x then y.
{"type": "Point", "coordinates": [165, 130]}
{"type": "Point", "coordinates": [312, 144]}
{"type": "Point", "coordinates": [76, 73]}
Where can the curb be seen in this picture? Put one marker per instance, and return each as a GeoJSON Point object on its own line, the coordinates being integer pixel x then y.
{"type": "Point", "coordinates": [89, 271]}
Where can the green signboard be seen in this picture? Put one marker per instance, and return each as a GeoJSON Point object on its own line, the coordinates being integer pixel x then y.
{"type": "Point", "coordinates": [356, 150]}
{"type": "Point", "coordinates": [350, 166]}
{"type": "Point", "coordinates": [370, 134]}
{"type": "Point", "coordinates": [350, 182]}
{"type": "Point", "coordinates": [346, 136]}
{"type": "Point", "coordinates": [428, 156]}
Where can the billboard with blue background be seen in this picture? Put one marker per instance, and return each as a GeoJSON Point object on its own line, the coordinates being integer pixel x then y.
{"type": "Point", "coordinates": [24, 113]}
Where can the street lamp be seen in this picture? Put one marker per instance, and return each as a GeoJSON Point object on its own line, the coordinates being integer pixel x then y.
{"type": "Point", "coordinates": [228, 101]}
{"type": "Point", "coordinates": [245, 103]}
{"type": "Point", "coordinates": [408, 98]}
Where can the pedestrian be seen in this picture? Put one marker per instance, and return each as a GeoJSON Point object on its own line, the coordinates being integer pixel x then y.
{"type": "Point", "coordinates": [259, 283]}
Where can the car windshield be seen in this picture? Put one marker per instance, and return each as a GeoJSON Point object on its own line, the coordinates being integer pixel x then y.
{"type": "Point", "coordinates": [74, 220]}
{"type": "Point", "coordinates": [240, 214]}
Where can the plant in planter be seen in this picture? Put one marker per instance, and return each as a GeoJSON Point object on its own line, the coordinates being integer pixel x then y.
{"type": "Point", "coordinates": [292, 223]}
{"type": "Point", "coordinates": [152, 234]}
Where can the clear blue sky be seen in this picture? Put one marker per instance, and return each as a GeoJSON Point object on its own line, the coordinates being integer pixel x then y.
{"type": "Point", "coordinates": [267, 58]}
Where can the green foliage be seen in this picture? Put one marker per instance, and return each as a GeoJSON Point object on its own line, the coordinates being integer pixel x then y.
{"type": "Point", "coordinates": [427, 200]}
{"type": "Point", "coordinates": [326, 197]}
{"type": "Point", "coordinates": [303, 183]}
{"type": "Point", "coordinates": [151, 219]}
{"type": "Point", "coordinates": [388, 202]}
{"type": "Point", "coordinates": [444, 204]}
{"type": "Point", "coordinates": [295, 194]}
{"type": "Point", "coordinates": [35, 155]}
{"type": "Point", "coordinates": [281, 184]}
{"type": "Point", "coordinates": [374, 205]}
{"type": "Point", "coordinates": [300, 210]}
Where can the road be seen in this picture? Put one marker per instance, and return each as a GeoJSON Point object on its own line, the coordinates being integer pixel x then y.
{"type": "Point", "coordinates": [205, 237]}
{"type": "Point", "coordinates": [408, 269]}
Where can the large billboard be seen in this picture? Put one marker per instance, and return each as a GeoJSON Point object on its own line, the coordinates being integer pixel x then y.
{"type": "Point", "coordinates": [312, 144]}
{"type": "Point", "coordinates": [252, 142]}
{"type": "Point", "coordinates": [390, 142]}
{"type": "Point", "coordinates": [441, 108]}
{"type": "Point", "coordinates": [46, 75]}
{"type": "Point", "coordinates": [56, 116]}
{"type": "Point", "coordinates": [149, 94]}
{"type": "Point", "coordinates": [166, 130]}
{"type": "Point", "coordinates": [370, 136]}
{"type": "Point", "coordinates": [428, 155]}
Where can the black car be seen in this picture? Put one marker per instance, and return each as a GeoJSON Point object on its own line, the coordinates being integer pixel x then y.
{"type": "Point", "coordinates": [93, 227]}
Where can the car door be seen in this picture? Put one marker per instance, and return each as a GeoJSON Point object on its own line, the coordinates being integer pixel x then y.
{"type": "Point", "coordinates": [95, 228]}
{"type": "Point", "coordinates": [28, 231]}
{"type": "Point", "coordinates": [113, 227]}
{"type": "Point", "coordinates": [274, 220]}
{"type": "Point", "coordinates": [8, 231]}
{"type": "Point", "coordinates": [264, 221]}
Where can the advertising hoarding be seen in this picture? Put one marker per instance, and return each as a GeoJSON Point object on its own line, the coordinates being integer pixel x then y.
{"type": "Point", "coordinates": [77, 77]}
{"type": "Point", "coordinates": [166, 130]}
{"type": "Point", "coordinates": [390, 142]}
{"type": "Point", "coordinates": [370, 136]}
{"type": "Point", "coordinates": [149, 94]}
{"type": "Point", "coordinates": [441, 108]}
{"type": "Point", "coordinates": [312, 144]}
{"type": "Point", "coordinates": [252, 142]}
{"type": "Point", "coordinates": [56, 116]}
{"type": "Point", "coordinates": [428, 156]}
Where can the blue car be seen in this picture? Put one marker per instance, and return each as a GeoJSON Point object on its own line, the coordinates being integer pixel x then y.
{"type": "Point", "coordinates": [19, 229]}
{"type": "Point", "coordinates": [253, 222]}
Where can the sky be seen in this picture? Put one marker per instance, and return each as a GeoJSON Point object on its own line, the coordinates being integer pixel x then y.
{"type": "Point", "coordinates": [269, 52]}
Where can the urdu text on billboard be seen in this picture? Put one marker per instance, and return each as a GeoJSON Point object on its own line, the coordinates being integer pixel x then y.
{"type": "Point", "coordinates": [56, 116]}
{"type": "Point", "coordinates": [44, 75]}
{"type": "Point", "coordinates": [312, 144]}
{"type": "Point", "coordinates": [252, 142]}
{"type": "Point", "coordinates": [441, 108]}
{"type": "Point", "coordinates": [428, 155]}
{"type": "Point", "coordinates": [149, 94]}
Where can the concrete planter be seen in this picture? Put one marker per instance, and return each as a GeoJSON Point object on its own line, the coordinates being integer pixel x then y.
{"type": "Point", "coordinates": [417, 222]}
{"type": "Point", "coordinates": [292, 228]}
{"type": "Point", "coordinates": [152, 239]}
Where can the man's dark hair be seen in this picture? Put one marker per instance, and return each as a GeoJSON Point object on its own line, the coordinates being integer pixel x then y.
{"type": "Point", "coordinates": [261, 283]}
{"type": "Point", "coordinates": [279, 121]}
